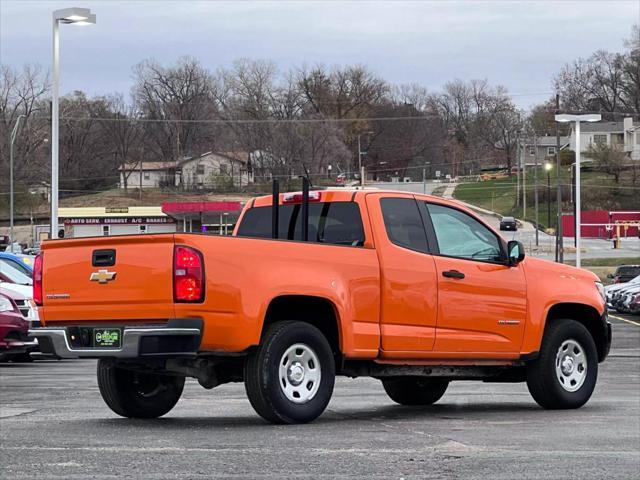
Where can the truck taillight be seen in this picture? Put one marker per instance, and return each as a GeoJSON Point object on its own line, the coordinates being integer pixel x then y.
{"type": "Point", "coordinates": [188, 275]}
{"type": "Point", "coordinates": [37, 279]}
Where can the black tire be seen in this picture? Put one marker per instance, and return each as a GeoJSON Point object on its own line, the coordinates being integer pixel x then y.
{"type": "Point", "coordinates": [415, 390]}
{"type": "Point", "coordinates": [545, 384]}
{"type": "Point", "coordinates": [262, 379]}
{"type": "Point", "coordinates": [137, 395]}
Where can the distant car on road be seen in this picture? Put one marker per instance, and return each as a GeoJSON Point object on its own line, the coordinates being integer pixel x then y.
{"type": "Point", "coordinates": [508, 223]}
{"type": "Point", "coordinates": [624, 273]}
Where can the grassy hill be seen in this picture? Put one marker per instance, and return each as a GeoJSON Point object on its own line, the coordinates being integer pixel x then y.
{"type": "Point", "coordinates": [599, 192]}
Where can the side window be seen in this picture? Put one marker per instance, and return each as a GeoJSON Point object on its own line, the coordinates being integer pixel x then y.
{"type": "Point", "coordinates": [460, 235]}
{"type": "Point", "coordinates": [403, 223]}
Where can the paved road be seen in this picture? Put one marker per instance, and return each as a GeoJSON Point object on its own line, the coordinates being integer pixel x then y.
{"type": "Point", "coordinates": [53, 424]}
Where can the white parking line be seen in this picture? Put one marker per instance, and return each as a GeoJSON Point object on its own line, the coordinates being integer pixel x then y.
{"type": "Point", "coordinates": [625, 320]}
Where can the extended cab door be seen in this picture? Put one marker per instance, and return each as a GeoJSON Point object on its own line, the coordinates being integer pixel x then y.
{"type": "Point", "coordinates": [408, 281]}
{"type": "Point", "coordinates": [482, 302]}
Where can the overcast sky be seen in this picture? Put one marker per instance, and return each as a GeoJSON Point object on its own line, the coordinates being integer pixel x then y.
{"type": "Point", "coordinates": [520, 44]}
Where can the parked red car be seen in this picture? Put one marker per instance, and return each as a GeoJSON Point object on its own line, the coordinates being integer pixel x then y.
{"type": "Point", "coordinates": [14, 343]}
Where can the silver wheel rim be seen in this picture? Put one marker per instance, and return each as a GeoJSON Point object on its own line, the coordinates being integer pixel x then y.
{"type": "Point", "coordinates": [571, 365]}
{"type": "Point", "coordinates": [300, 373]}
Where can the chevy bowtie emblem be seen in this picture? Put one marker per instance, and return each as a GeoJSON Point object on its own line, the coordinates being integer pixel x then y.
{"type": "Point", "coordinates": [102, 276]}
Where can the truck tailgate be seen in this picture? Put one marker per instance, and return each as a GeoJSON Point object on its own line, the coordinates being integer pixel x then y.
{"type": "Point", "coordinates": [81, 282]}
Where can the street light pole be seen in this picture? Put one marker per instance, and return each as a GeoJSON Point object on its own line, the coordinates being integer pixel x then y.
{"type": "Point", "coordinates": [535, 183]}
{"type": "Point", "coordinates": [77, 16]}
{"type": "Point", "coordinates": [53, 232]}
{"type": "Point", "coordinates": [548, 167]}
{"type": "Point", "coordinates": [524, 184]}
{"type": "Point", "coordinates": [578, 232]}
{"type": "Point", "coordinates": [14, 133]}
{"type": "Point", "coordinates": [518, 169]}
{"type": "Point", "coordinates": [563, 117]}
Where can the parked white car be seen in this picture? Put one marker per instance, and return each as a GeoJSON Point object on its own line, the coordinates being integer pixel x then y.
{"type": "Point", "coordinates": [19, 287]}
{"type": "Point", "coordinates": [609, 290]}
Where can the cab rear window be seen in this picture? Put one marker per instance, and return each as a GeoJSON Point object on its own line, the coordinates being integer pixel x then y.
{"type": "Point", "coordinates": [336, 223]}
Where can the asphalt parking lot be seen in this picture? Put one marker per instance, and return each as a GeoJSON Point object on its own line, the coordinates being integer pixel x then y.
{"type": "Point", "coordinates": [53, 424]}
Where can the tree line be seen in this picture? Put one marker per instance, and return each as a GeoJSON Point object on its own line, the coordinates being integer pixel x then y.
{"type": "Point", "coordinates": [304, 119]}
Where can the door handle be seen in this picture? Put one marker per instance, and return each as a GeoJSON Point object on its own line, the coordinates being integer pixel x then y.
{"type": "Point", "coordinates": [453, 274]}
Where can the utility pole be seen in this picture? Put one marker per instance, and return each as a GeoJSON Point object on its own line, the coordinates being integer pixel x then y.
{"type": "Point", "coordinates": [524, 184]}
{"type": "Point", "coordinates": [535, 182]}
{"type": "Point", "coordinates": [424, 180]}
{"type": "Point", "coordinates": [573, 201]}
{"type": "Point", "coordinates": [14, 132]}
{"type": "Point", "coordinates": [518, 169]}
{"type": "Point", "coordinates": [559, 242]}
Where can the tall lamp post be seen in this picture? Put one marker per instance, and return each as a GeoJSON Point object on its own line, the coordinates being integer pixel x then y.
{"type": "Point", "coordinates": [14, 133]}
{"type": "Point", "coordinates": [74, 16]}
{"type": "Point", "coordinates": [548, 166]}
{"type": "Point", "coordinates": [565, 118]}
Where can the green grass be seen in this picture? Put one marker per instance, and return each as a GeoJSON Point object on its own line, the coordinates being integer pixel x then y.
{"type": "Point", "coordinates": [599, 192]}
{"type": "Point", "coordinates": [438, 191]}
{"type": "Point", "coordinates": [496, 195]}
{"type": "Point", "coordinates": [606, 262]}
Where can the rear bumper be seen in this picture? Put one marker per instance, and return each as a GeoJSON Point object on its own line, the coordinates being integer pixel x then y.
{"type": "Point", "coordinates": [178, 338]}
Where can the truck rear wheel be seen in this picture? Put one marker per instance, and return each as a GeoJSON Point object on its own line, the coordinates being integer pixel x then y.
{"type": "Point", "coordinates": [564, 374]}
{"type": "Point", "coordinates": [290, 377]}
{"type": "Point", "coordinates": [135, 394]}
{"type": "Point", "coordinates": [415, 390]}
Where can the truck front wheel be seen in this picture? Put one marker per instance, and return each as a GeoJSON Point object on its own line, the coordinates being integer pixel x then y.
{"type": "Point", "coordinates": [564, 374]}
{"type": "Point", "coordinates": [415, 390]}
{"type": "Point", "coordinates": [136, 394]}
{"type": "Point", "coordinates": [290, 377]}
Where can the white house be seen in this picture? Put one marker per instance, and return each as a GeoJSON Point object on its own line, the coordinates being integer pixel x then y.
{"type": "Point", "coordinates": [209, 170]}
{"type": "Point", "coordinates": [623, 135]}
{"type": "Point", "coordinates": [539, 150]}
{"type": "Point", "coordinates": [631, 139]}
{"type": "Point", "coordinates": [214, 170]}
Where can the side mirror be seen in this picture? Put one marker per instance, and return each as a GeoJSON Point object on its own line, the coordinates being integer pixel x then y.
{"type": "Point", "coordinates": [515, 251]}
{"type": "Point", "coordinates": [609, 275]}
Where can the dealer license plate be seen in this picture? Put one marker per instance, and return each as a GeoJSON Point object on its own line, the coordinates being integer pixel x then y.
{"type": "Point", "coordinates": [107, 337]}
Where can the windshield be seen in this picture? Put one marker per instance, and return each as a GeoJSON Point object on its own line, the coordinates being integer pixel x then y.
{"type": "Point", "coordinates": [12, 275]}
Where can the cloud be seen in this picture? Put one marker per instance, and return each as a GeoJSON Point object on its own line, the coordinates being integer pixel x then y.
{"type": "Point", "coordinates": [518, 44]}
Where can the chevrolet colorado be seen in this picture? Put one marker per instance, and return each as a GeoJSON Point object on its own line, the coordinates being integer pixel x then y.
{"type": "Point", "coordinates": [413, 290]}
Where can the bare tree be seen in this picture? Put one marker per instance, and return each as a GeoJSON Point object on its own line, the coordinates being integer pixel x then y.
{"type": "Point", "coordinates": [598, 83]}
{"type": "Point", "coordinates": [86, 159]}
{"type": "Point", "coordinates": [123, 135]}
{"type": "Point", "coordinates": [24, 93]}
{"type": "Point", "coordinates": [178, 97]}
{"type": "Point", "coordinates": [607, 159]}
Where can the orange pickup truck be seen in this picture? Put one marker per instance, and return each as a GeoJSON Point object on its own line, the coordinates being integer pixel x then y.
{"type": "Point", "coordinates": [413, 290]}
